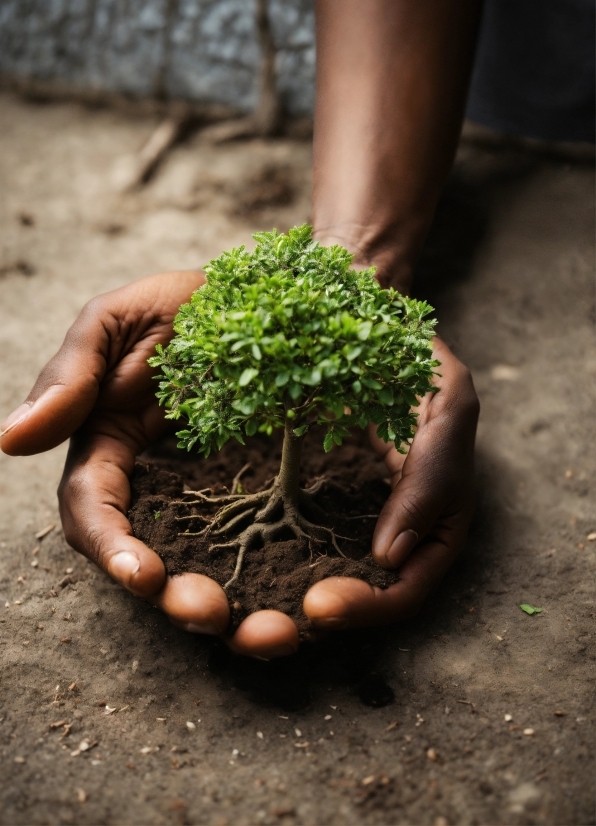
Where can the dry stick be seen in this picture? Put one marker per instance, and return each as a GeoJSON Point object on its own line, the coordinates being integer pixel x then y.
{"type": "Point", "coordinates": [137, 169]}
{"type": "Point", "coordinates": [238, 477]}
{"type": "Point", "coordinates": [267, 119]}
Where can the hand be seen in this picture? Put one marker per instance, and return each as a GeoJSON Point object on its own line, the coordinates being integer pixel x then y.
{"type": "Point", "coordinates": [98, 389]}
{"type": "Point", "coordinates": [425, 520]}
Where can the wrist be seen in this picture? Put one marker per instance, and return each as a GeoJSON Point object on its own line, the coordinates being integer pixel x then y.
{"type": "Point", "coordinates": [391, 251]}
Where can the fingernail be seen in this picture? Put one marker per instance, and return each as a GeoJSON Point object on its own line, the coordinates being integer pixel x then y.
{"type": "Point", "coordinates": [15, 417]}
{"type": "Point", "coordinates": [195, 628]}
{"type": "Point", "coordinates": [335, 623]}
{"type": "Point", "coordinates": [401, 547]}
{"type": "Point", "coordinates": [123, 566]}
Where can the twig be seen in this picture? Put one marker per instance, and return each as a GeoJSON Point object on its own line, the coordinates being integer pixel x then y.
{"type": "Point", "coordinates": [238, 477]}
{"type": "Point", "coordinates": [134, 170]}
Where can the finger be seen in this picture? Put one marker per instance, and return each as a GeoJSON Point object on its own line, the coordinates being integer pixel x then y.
{"type": "Point", "coordinates": [195, 603]}
{"type": "Point", "coordinates": [102, 339]}
{"type": "Point", "coordinates": [344, 602]}
{"type": "Point", "coordinates": [437, 476]}
{"type": "Point", "coordinates": [94, 497]}
{"type": "Point", "coordinates": [265, 635]}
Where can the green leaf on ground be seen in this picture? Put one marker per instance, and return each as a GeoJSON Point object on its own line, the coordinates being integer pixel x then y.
{"type": "Point", "coordinates": [529, 609]}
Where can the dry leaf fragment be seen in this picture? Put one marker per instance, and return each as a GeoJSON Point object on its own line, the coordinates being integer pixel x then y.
{"type": "Point", "coordinates": [368, 780]}
{"type": "Point", "coordinates": [45, 531]}
{"type": "Point", "coordinates": [109, 709]}
{"type": "Point", "coordinates": [59, 724]}
{"type": "Point", "coordinates": [559, 713]}
{"type": "Point", "coordinates": [65, 639]}
{"type": "Point", "coordinates": [301, 745]}
{"type": "Point", "coordinates": [392, 725]}
{"type": "Point", "coordinates": [72, 686]}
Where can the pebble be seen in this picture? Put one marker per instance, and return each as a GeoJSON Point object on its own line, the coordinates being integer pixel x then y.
{"type": "Point", "coordinates": [529, 732]}
{"type": "Point", "coordinates": [190, 726]}
{"type": "Point", "coordinates": [508, 718]}
{"type": "Point", "coordinates": [260, 735]}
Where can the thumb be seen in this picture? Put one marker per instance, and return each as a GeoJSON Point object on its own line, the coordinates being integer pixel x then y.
{"type": "Point", "coordinates": [409, 514]}
{"type": "Point", "coordinates": [63, 394]}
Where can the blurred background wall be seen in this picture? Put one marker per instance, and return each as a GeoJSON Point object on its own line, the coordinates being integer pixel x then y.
{"type": "Point", "coordinates": [206, 51]}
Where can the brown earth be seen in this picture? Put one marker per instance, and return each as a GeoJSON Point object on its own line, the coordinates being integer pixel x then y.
{"type": "Point", "coordinates": [424, 723]}
{"type": "Point", "coordinates": [278, 575]}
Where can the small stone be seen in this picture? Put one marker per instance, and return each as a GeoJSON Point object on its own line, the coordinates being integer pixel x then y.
{"type": "Point", "coordinates": [508, 718]}
{"type": "Point", "coordinates": [190, 726]}
{"type": "Point", "coordinates": [432, 755]}
{"type": "Point", "coordinates": [260, 735]}
{"type": "Point", "coordinates": [591, 537]}
{"type": "Point", "coordinates": [20, 760]}
{"type": "Point", "coordinates": [529, 732]}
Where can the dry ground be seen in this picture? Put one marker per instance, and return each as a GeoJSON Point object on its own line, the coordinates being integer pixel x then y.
{"type": "Point", "coordinates": [510, 267]}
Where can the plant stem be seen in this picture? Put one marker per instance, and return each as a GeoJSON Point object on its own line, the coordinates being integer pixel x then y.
{"type": "Point", "coordinates": [289, 471]}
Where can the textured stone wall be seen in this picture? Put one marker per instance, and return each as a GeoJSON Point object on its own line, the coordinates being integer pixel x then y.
{"type": "Point", "coordinates": [202, 50]}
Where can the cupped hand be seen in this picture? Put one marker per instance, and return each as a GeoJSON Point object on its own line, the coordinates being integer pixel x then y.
{"type": "Point", "coordinates": [99, 391]}
{"type": "Point", "coordinates": [424, 522]}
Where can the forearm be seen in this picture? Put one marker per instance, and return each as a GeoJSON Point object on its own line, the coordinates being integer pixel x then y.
{"type": "Point", "coordinates": [392, 78]}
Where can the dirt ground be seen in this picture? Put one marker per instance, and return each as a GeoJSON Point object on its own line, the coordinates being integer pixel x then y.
{"type": "Point", "coordinates": [473, 713]}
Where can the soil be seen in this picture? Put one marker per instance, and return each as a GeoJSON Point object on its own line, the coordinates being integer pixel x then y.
{"type": "Point", "coordinates": [421, 723]}
{"type": "Point", "coordinates": [279, 574]}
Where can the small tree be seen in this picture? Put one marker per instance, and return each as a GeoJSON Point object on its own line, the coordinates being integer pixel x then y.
{"type": "Point", "coordinates": [290, 336]}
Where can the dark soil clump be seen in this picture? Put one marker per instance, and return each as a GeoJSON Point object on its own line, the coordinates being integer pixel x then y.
{"type": "Point", "coordinates": [277, 575]}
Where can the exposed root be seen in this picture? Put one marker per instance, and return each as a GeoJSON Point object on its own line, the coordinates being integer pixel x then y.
{"type": "Point", "coordinates": [270, 514]}
{"type": "Point", "coordinates": [236, 486]}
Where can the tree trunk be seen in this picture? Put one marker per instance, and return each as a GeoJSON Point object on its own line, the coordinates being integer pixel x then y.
{"type": "Point", "coordinates": [289, 472]}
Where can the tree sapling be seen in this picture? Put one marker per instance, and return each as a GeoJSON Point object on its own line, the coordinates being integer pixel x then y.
{"type": "Point", "coordinates": [291, 336]}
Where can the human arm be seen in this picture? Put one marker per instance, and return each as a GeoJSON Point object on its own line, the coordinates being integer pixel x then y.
{"type": "Point", "coordinates": [392, 79]}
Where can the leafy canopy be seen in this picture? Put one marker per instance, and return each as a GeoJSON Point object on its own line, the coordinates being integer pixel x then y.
{"type": "Point", "coordinates": [290, 333]}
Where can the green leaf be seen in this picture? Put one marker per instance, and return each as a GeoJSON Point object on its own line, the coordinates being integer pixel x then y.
{"type": "Point", "coordinates": [529, 609]}
{"type": "Point", "coordinates": [281, 379]}
{"type": "Point", "coordinates": [328, 441]}
{"type": "Point", "coordinates": [247, 376]}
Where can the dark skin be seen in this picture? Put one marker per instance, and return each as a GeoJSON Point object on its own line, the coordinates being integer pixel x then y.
{"type": "Point", "coordinates": [391, 83]}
